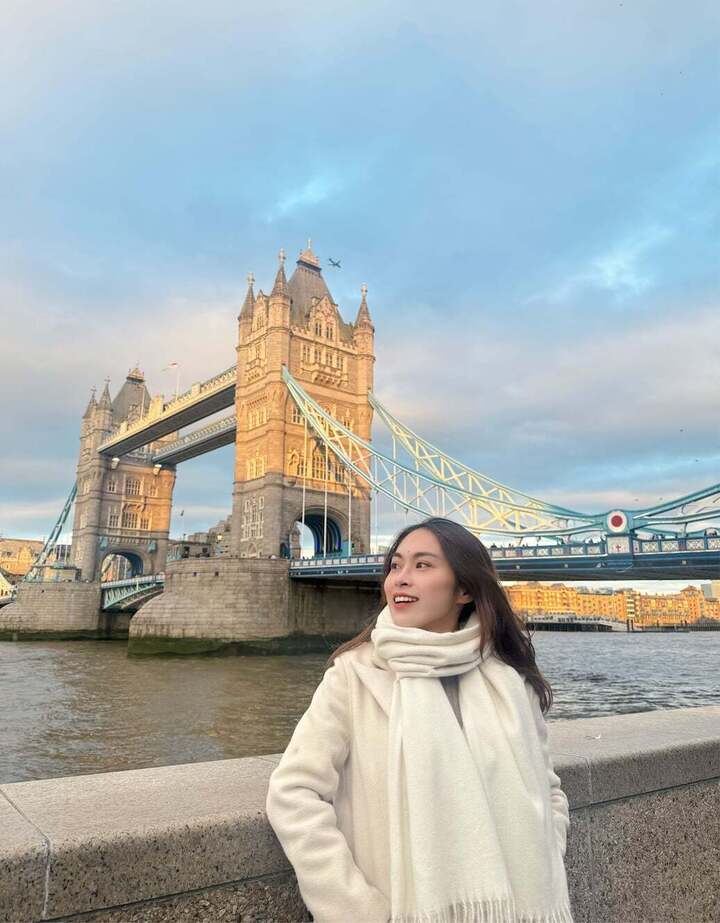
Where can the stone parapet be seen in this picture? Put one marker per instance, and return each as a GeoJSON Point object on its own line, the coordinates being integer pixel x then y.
{"type": "Point", "coordinates": [192, 842]}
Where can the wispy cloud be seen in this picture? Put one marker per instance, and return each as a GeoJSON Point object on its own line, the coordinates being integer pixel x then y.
{"type": "Point", "coordinates": [312, 192]}
{"type": "Point", "coordinates": [621, 272]}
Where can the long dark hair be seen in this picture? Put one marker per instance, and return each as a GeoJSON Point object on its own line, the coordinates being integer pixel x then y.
{"type": "Point", "coordinates": [475, 573]}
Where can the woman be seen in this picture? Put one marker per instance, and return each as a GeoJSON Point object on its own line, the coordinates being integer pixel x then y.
{"type": "Point", "coordinates": [418, 786]}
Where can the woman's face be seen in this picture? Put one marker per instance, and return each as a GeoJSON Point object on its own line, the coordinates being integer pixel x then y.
{"type": "Point", "coordinates": [420, 570]}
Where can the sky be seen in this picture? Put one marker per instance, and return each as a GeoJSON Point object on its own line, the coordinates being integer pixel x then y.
{"type": "Point", "coordinates": [530, 192]}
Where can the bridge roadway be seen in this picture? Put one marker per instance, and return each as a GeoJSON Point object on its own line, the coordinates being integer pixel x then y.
{"type": "Point", "coordinates": [691, 558]}
{"type": "Point", "coordinates": [199, 402]}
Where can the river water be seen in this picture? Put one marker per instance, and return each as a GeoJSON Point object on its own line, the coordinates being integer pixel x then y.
{"type": "Point", "coordinates": [80, 707]}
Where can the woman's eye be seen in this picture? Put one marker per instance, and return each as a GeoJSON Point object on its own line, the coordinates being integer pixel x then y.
{"type": "Point", "coordinates": [423, 562]}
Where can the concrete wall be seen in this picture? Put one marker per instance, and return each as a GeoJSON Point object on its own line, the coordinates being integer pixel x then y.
{"type": "Point", "coordinates": [47, 610]}
{"type": "Point", "coordinates": [192, 842]}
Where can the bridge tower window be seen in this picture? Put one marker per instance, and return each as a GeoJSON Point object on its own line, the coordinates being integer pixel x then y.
{"type": "Point", "coordinates": [113, 519]}
{"type": "Point", "coordinates": [296, 414]}
{"type": "Point", "coordinates": [132, 486]}
{"type": "Point", "coordinates": [145, 523]}
{"type": "Point", "coordinates": [152, 489]}
{"type": "Point", "coordinates": [111, 486]}
{"type": "Point", "coordinates": [129, 520]}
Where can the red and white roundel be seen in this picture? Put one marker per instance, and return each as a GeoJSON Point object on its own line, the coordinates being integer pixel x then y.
{"type": "Point", "coordinates": [617, 521]}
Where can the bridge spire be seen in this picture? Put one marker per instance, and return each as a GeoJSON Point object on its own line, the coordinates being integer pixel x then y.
{"type": "Point", "coordinates": [105, 400]}
{"type": "Point", "coordinates": [249, 303]}
{"type": "Point", "coordinates": [92, 404]}
{"type": "Point", "coordinates": [308, 258]}
{"type": "Point", "coordinates": [363, 318]}
{"type": "Point", "coordinates": [280, 287]}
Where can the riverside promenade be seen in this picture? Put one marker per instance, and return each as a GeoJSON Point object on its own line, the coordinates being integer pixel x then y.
{"type": "Point", "coordinates": [192, 842]}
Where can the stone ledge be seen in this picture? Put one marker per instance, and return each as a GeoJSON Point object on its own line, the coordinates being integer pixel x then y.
{"type": "Point", "coordinates": [79, 844]}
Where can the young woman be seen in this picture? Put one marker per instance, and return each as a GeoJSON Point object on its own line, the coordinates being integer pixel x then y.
{"type": "Point", "coordinates": [418, 786]}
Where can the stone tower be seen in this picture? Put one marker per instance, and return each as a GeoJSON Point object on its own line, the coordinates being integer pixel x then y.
{"type": "Point", "coordinates": [122, 505]}
{"type": "Point", "coordinates": [300, 326]}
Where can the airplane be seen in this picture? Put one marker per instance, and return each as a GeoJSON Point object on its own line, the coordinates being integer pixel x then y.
{"type": "Point", "coordinates": [335, 263]}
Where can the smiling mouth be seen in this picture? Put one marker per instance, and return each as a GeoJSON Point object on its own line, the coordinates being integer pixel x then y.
{"type": "Point", "coordinates": [402, 600]}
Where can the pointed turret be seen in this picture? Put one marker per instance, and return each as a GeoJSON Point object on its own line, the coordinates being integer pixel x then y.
{"type": "Point", "coordinates": [105, 402]}
{"type": "Point", "coordinates": [92, 404]}
{"type": "Point", "coordinates": [280, 287]}
{"type": "Point", "coordinates": [308, 257]}
{"type": "Point", "coordinates": [363, 318]}
{"type": "Point", "coordinates": [249, 303]}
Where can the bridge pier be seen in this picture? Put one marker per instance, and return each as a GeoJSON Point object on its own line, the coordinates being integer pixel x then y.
{"type": "Point", "coordinates": [246, 606]}
{"type": "Point", "coordinates": [52, 611]}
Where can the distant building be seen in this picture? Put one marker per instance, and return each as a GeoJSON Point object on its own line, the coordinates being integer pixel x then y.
{"type": "Point", "coordinates": [211, 544]}
{"type": "Point", "coordinates": [6, 583]}
{"type": "Point", "coordinates": [711, 590]}
{"type": "Point", "coordinates": [690, 605]}
{"type": "Point", "coordinates": [17, 555]}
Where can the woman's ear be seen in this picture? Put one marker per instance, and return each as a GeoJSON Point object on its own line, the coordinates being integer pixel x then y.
{"type": "Point", "coordinates": [464, 597]}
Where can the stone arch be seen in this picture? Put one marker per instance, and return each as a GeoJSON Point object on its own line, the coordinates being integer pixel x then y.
{"type": "Point", "coordinates": [336, 529]}
{"type": "Point", "coordinates": [137, 561]}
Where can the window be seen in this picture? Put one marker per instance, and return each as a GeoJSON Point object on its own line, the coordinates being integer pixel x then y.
{"type": "Point", "coordinates": [152, 489]}
{"type": "Point", "coordinates": [296, 414]}
{"type": "Point", "coordinates": [132, 487]}
{"type": "Point", "coordinates": [255, 467]}
{"type": "Point", "coordinates": [145, 523]}
{"type": "Point", "coordinates": [113, 519]}
{"type": "Point", "coordinates": [318, 467]}
{"type": "Point", "coordinates": [329, 333]}
{"type": "Point", "coordinates": [257, 415]}
{"type": "Point", "coordinates": [129, 520]}
{"type": "Point", "coordinates": [318, 328]}
{"type": "Point", "coordinates": [111, 486]}
{"type": "Point", "coordinates": [305, 352]}
{"type": "Point", "coordinates": [252, 521]}
{"type": "Point", "coordinates": [317, 353]}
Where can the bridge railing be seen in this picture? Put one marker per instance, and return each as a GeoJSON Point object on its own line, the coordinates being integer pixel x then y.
{"type": "Point", "coordinates": [199, 390]}
{"type": "Point", "coordinates": [337, 560]}
{"type": "Point", "coordinates": [116, 591]}
{"type": "Point", "coordinates": [140, 581]}
{"type": "Point", "coordinates": [702, 543]}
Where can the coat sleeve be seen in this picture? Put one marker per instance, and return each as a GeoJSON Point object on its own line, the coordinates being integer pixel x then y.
{"type": "Point", "coordinates": [558, 798]}
{"type": "Point", "coordinates": [300, 809]}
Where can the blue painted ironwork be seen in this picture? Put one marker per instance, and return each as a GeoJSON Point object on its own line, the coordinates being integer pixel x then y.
{"type": "Point", "coordinates": [119, 594]}
{"type": "Point", "coordinates": [51, 543]}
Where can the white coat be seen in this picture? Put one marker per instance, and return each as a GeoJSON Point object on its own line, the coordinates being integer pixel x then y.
{"type": "Point", "coordinates": [327, 798]}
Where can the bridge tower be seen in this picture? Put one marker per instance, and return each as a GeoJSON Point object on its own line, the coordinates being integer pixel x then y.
{"type": "Point", "coordinates": [282, 475]}
{"type": "Point", "coordinates": [122, 505]}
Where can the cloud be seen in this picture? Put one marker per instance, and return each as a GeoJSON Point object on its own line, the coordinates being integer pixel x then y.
{"type": "Point", "coordinates": [312, 192]}
{"type": "Point", "coordinates": [621, 272]}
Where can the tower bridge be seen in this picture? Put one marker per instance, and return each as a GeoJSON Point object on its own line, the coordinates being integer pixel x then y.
{"type": "Point", "coordinates": [301, 401]}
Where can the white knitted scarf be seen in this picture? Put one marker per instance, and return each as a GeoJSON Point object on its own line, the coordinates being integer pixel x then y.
{"type": "Point", "coordinates": [471, 831]}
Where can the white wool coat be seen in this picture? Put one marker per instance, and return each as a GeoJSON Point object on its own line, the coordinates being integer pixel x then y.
{"type": "Point", "coordinates": [327, 798]}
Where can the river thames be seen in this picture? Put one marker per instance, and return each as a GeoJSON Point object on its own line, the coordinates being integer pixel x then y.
{"type": "Point", "coordinates": [82, 707]}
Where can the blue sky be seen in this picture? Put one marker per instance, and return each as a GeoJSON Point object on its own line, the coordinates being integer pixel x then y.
{"type": "Point", "coordinates": [529, 190]}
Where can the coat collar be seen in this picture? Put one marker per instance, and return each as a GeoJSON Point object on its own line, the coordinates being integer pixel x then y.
{"type": "Point", "coordinates": [379, 682]}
